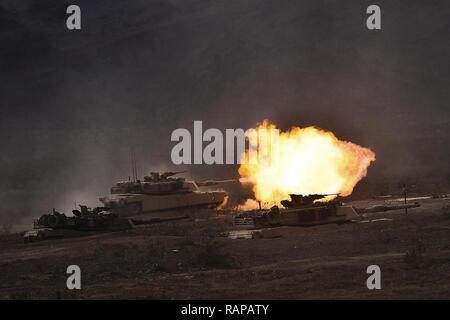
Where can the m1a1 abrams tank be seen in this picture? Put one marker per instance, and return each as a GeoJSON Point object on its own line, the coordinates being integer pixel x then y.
{"type": "Point", "coordinates": [305, 211]}
{"type": "Point", "coordinates": [58, 225]}
{"type": "Point", "coordinates": [161, 192]}
{"type": "Point", "coordinates": [84, 219]}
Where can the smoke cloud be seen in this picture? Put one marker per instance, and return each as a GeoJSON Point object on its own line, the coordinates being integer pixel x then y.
{"type": "Point", "coordinates": [73, 103]}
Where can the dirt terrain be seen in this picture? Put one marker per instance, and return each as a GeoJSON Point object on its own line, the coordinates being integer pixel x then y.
{"type": "Point", "coordinates": [188, 260]}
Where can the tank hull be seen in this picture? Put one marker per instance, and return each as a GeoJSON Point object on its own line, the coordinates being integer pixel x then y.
{"type": "Point", "coordinates": [304, 217]}
{"type": "Point", "coordinates": [132, 205]}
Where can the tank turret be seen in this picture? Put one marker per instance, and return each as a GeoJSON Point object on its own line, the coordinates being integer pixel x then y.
{"type": "Point", "coordinates": [298, 200]}
{"type": "Point", "coordinates": [155, 183]}
{"type": "Point", "coordinates": [165, 176]}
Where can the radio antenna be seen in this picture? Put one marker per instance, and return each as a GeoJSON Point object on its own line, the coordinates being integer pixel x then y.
{"type": "Point", "coordinates": [135, 166]}
{"type": "Point", "coordinates": [133, 161]}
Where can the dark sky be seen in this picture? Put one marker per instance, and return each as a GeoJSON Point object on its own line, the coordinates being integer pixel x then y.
{"type": "Point", "coordinates": [74, 102]}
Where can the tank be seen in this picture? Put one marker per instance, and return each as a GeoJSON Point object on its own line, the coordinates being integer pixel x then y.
{"type": "Point", "coordinates": [161, 192]}
{"type": "Point", "coordinates": [85, 219]}
{"type": "Point", "coordinates": [57, 225]}
{"type": "Point", "coordinates": [302, 210]}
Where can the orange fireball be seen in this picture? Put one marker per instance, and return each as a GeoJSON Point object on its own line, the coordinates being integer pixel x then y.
{"type": "Point", "coordinates": [304, 161]}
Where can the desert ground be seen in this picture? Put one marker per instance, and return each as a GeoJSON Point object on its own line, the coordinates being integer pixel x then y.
{"type": "Point", "coordinates": [191, 259]}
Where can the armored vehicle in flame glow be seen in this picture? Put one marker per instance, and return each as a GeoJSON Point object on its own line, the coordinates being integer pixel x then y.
{"type": "Point", "coordinates": [307, 211]}
{"type": "Point", "coordinates": [301, 211]}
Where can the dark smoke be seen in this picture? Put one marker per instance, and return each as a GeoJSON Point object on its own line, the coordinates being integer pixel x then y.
{"type": "Point", "coordinates": [73, 104]}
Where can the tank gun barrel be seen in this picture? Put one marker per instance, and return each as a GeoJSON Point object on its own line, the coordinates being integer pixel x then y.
{"type": "Point", "coordinates": [172, 173]}
{"type": "Point", "coordinates": [206, 183]}
{"type": "Point", "coordinates": [168, 174]}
